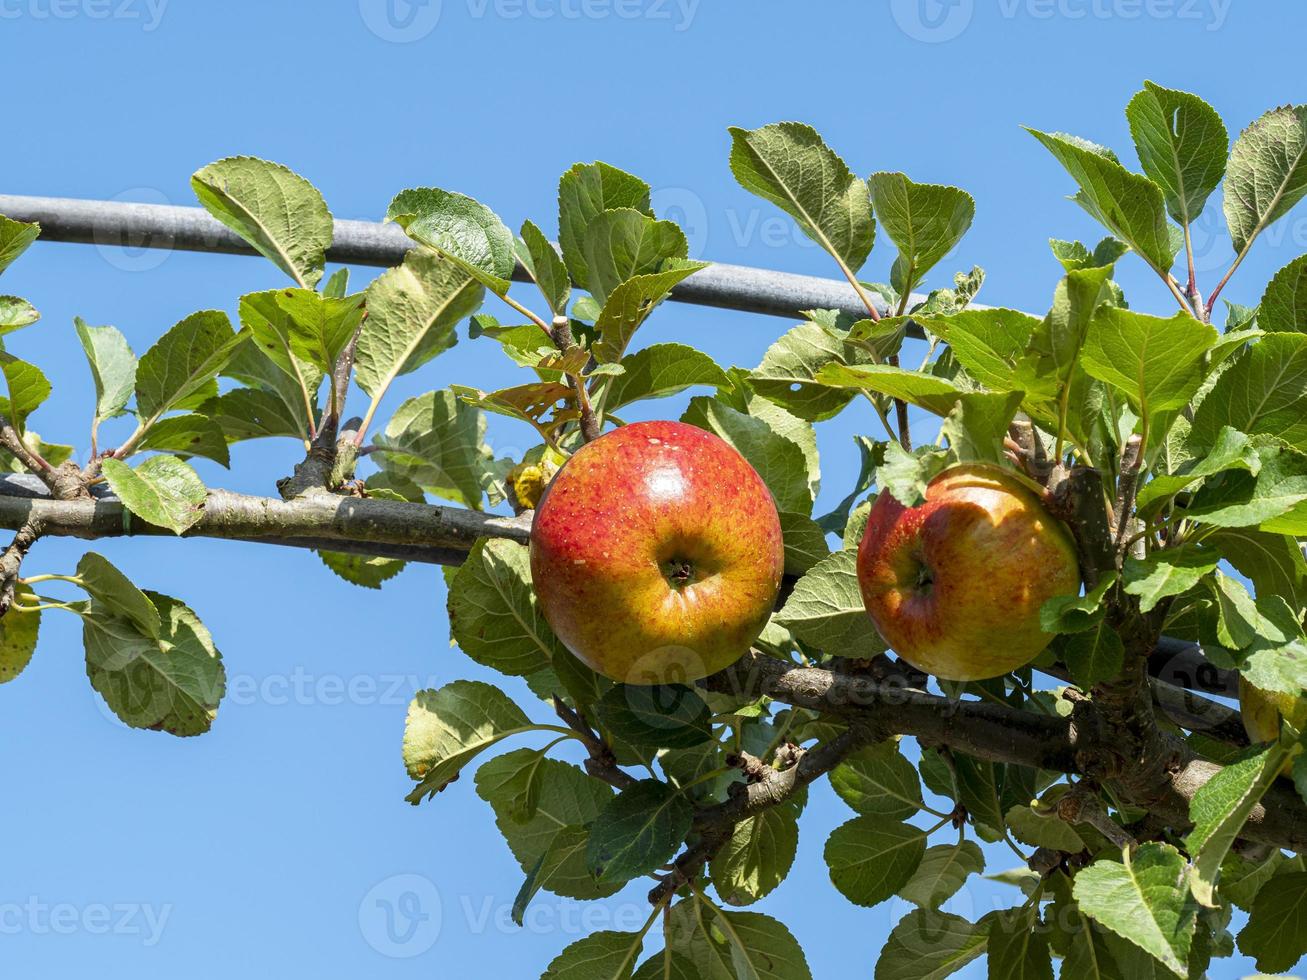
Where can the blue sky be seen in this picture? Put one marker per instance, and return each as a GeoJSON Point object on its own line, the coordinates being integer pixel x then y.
{"type": "Point", "coordinates": [254, 848]}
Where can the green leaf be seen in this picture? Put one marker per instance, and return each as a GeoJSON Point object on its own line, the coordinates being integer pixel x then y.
{"type": "Point", "coordinates": [930, 945]}
{"type": "Point", "coordinates": [789, 367]}
{"type": "Point", "coordinates": [1267, 173]}
{"type": "Point", "coordinates": [780, 462]}
{"type": "Point", "coordinates": [493, 614]}
{"type": "Point", "coordinates": [905, 475]}
{"type": "Point", "coordinates": [1083, 943]}
{"type": "Point", "coordinates": [412, 312]}
{"type": "Point", "coordinates": [542, 260]}
{"type": "Point", "coordinates": [943, 870]}
{"type": "Point", "coordinates": [168, 681]}
{"type": "Point", "coordinates": [669, 716]}
{"type": "Point", "coordinates": [27, 387]}
{"type": "Point", "coordinates": [925, 221]}
{"type": "Point", "coordinates": [723, 945]}
{"type": "Point", "coordinates": [788, 164]}
{"type": "Point", "coordinates": [1093, 655]}
{"type": "Point", "coordinates": [1144, 899]}
{"type": "Point", "coordinates": [1046, 830]}
{"type": "Point", "coordinates": [600, 956]}
{"type": "Point", "coordinates": [1219, 811]}
{"type": "Point", "coordinates": [935, 394]}
{"type": "Point", "coordinates": [805, 542]}
{"type": "Point", "coordinates": [162, 491]}
{"type": "Point", "coordinates": [362, 570]}
{"type": "Point", "coordinates": [757, 857]}
{"type": "Point", "coordinates": [878, 781]}
{"type": "Point", "coordinates": [871, 858]}
{"type": "Point", "coordinates": [1274, 563]}
{"type": "Point", "coordinates": [255, 413]}
{"type": "Point", "coordinates": [667, 965]}
{"type": "Point", "coordinates": [19, 631]}
{"type": "Point", "coordinates": [1170, 572]}
{"type": "Point", "coordinates": [660, 371]}
{"type": "Point", "coordinates": [629, 305]}
{"type": "Point", "coordinates": [826, 609]}
{"type": "Point", "coordinates": [461, 229]}
{"type": "Point", "coordinates": [1263, 640]}
{"type": "Point", "coordinates": [1231, 450]}
{"type": "Point", "coordinates": [277, 211]}
{"type": "Point", "coordinates": [270, 328]}
{"type": "Point", "coordinates": [1182, 146]}
{"type": "Point", "coordinates": [872, 455]}
{"type": "Point", "coordinates": [15, 237]}
{"type": "Point", "coordinates": [1128, 205]}
{"type": "Point", "coordinates": [15, 314]}
{"type": "Point", "coordinates": [1242, 499]}
{"type": "Point", "coordinates": [1158, 363]}
{"type": "Point", "coordinates": [115, 594]}
{"type": "Point", "coordinates": [1074, 613]}
{"type": "Point", "coordinates": [585, 192]}
{"type": "Point", "coordinates": [1018, 949]}
{"type": "Point", "coordinates": [319, 326]}
{"type": "Point", "coordinates": [623, 243]}
{"type": "Point", "coordinates": [638, 831]}
{"type": "Point", "coordinates": [449, 727]}
{"type": "Point", "coordinates": [567, 801]}
{"type": "Point", "coordinates": [1076, 255]}
{"type": "Point", "coordinates": [183, 361]}
{"type": "Point", "coordinates": [187, 435]}
{"type": "Point", "coordinates": [1057, 341]}
{"type": "Point", "coordinates": [113, 367]}
{"type": "Point", "coordinates": [1262, 392]}
{"type": "Point", "coordinates": [1276, 933]}
{"type": "Point", "coordinates": [988, 343]}
{"type": "Point", "coordinates": [1283, 308]}
{"type": "Point", "coordinates": [979, 423]}
{"type": "Point", "coordinates": [436, 441]}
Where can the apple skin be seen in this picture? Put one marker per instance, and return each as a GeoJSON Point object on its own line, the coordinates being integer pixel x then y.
{"type": "Point", "coordinates": [656, 554]}
{"type": "Point", "coordinates": [955, 584]}
{"type": "Point", "coordinates": [1262, 711]}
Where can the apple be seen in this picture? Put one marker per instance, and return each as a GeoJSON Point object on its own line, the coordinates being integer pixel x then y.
{"type": "Point", "coordinates": [1262, 711]}
{"type": "Point", "coordinates": [955, 584]}
{"type": "Point", "coordinates": [656, 554]}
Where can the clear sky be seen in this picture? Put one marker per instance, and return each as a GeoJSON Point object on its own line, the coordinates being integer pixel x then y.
{"type": "Point", "coordinates": [251, 850]}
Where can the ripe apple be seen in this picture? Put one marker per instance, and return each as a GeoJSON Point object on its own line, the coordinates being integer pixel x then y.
{"type": "Point", "coordinates": [954, 585]}
{"type": "Point", "coordinates": [656, 553]}
{"type": "Point", "coordinates": [1262, 711]}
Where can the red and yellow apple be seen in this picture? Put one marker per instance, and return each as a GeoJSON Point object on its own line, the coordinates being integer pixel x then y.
{"type": "Point", "coordinates": [656, 554]}
{"type": "Point", "coordinates": [1262, 711]}
{"type": "Point", "coordinates": [955, 584]}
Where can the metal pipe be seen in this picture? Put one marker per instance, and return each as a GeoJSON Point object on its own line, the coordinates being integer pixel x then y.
{"type": "Point", "coordinates": [166, 226]}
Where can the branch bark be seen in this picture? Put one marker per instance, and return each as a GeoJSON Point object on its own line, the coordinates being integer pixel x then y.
{"type": "Point", "coordinates": [1086, 744]}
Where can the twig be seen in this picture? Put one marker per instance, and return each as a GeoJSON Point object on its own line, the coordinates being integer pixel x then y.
{"type": "Point", "coordinates": [602, 763]}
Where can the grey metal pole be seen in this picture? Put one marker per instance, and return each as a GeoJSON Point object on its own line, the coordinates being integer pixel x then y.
{"type": "Point", "coordinates": [166, 226]}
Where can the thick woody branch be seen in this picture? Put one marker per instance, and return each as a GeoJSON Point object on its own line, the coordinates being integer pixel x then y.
{"type": "Point", "coordinates": [1085, 744]}
{"type": "Point", "coordinates": [414, 532]}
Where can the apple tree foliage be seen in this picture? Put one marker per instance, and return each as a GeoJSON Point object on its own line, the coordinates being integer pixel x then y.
{"type": "Point", "coordinates": [1139, 817]}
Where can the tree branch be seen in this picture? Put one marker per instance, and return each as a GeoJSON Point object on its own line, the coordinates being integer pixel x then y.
{"type": "Point", "coordinates": [386, 528]}
{"type": "Point", "coordinates": [1086, 744]}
